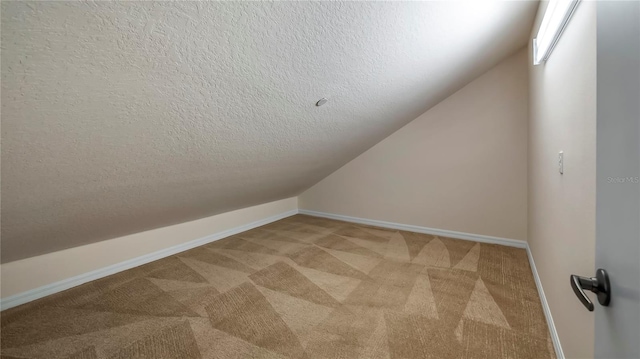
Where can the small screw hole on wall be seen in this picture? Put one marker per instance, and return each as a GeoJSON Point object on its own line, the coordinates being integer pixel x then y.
{"type": "Point", "coordinates": [321, 102]}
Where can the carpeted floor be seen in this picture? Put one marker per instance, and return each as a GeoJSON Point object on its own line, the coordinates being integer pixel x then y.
{"type": "Point", "coordinates": [302, 287]}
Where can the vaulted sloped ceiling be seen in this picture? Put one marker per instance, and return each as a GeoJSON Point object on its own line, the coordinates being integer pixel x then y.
{"type": "Point", "coordinates": [118, 117]}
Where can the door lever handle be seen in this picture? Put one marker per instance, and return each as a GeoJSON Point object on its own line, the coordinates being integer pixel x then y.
{"type": "Point", "coordinates": [598, 284]}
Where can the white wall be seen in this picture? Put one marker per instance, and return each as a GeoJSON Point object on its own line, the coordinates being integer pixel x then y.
{"type": "Point", "coordinates": [27, 274]}
{"type": "Point", "coordinates": [562, 207]}
{"type": "Point", "coordinates": [460, 166]}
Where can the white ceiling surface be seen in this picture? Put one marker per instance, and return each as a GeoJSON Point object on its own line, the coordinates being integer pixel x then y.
{"type": "Point", "coordinates": [118, 117]}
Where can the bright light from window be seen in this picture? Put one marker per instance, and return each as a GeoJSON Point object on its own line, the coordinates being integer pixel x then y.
{"type": "Point", "coordinates": [556, 17]}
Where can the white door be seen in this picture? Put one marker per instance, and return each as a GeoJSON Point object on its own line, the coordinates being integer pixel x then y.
{"type": "Point", "coordinates": [617, 326]}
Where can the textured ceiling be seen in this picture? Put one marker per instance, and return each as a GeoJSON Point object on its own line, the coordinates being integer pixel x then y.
{"type": "Point", "coordinates": [119, 117]}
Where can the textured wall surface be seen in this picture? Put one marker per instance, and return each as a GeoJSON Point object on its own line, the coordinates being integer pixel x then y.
{"type": "Point", "coordinates": [461, 166]}
{"type": "Point", "coordinates": [118, 117]}
{"type": "Point", "coordinates": [562, 208]}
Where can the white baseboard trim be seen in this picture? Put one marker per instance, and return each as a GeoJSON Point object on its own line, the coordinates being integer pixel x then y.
{"type": "Point", "coordinates": [545, 307]}
{"type": "Point", "coordinates": [37, 293]}
{"type": "Point", "coordinates": [419, 229]}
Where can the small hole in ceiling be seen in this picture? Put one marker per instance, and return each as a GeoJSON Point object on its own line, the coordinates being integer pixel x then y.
{"type": "Point", "coordinates": [321, 102]}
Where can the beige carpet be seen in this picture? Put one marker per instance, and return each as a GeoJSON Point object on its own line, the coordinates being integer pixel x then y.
{"type": "Point", "coordinates": [302, 287]}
